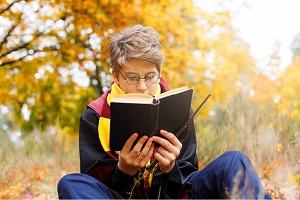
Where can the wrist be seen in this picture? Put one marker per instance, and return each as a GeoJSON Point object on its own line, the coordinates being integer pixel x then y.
{"type": "Point", "coordinates": [165, 171]}
{"type": "Point", "coordinates": [127, 170]}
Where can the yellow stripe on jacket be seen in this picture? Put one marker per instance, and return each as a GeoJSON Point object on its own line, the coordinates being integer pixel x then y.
{"type": "Point", "coordinates": [104, 123]}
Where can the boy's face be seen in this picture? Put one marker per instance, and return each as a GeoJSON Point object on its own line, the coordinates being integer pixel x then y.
{"type": "Point", "coordinates": [142, 68]}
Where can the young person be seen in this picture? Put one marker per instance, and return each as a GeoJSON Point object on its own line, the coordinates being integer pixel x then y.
{"type": "Point", "coordinates": [136, 58]}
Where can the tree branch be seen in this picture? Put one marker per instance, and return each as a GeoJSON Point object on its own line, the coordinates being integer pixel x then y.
{"type": "Point", "coordinates": [98, 86]}
{"type": "Point", "coordinates": [12, 28]}
{"type": "Point", "coordinates": [22, 46]}
{"type": "Point", "coordinates": [15, 49]}
{"type": "Point", "coordinates": [9, 6]}
{"type": "Point", "coordinates": [23, 57]}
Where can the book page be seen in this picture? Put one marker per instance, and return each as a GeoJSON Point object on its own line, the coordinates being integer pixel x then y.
{"type": "Point", "coordinates": [133, 98]}
{"type": "Point", "coordinates": [171, 92]}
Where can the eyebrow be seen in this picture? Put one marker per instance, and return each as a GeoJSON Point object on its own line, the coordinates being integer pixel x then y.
{"type": "Point", "coordinates": [139, 74]}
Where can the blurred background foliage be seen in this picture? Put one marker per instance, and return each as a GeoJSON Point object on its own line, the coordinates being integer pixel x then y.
{"type": "Point", "coordinates": [54, 60]}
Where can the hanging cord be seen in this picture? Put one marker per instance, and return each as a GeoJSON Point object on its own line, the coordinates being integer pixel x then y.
{"type": "Point", "coordinates": [158, 197]}
{"type": "Point", "coordinates": [153, 168]}
{"type": "Point", "coordinates": [137, 180]}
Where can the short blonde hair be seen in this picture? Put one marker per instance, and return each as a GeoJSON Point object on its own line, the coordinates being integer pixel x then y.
{"type": "Point", "coordinates": [135, 42]}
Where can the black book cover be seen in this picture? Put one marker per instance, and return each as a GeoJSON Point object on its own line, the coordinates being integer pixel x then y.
{"type": "Point", "coordinates": [174, 111]}
{"type": "Point", "coordinates": [127, 118]}
{"type": "Point", "coordinates": [167, 112]}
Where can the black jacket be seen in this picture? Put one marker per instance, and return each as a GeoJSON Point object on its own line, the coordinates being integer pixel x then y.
{"type": "Point", "coordinates": [99, 164]}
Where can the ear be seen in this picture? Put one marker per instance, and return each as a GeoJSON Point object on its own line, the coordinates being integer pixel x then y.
{"type": "Point", "coordinates": [115, 78]}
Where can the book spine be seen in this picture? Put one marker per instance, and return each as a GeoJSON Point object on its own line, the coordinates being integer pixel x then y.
{"type": "Point", "coordinates": [156, 119]}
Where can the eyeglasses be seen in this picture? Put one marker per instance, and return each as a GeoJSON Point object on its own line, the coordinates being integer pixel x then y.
{"type": "Point", "coordinates": [134, 78]}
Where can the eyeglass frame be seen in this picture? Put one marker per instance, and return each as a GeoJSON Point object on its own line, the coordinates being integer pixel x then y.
{"type": "Point", "coordinates": [147, 83]}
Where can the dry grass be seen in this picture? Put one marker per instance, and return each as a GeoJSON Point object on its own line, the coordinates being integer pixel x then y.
{"type": "Point", "coordinates": [32, 171]}
{"type": "Point", "coordinates": [271, 141]}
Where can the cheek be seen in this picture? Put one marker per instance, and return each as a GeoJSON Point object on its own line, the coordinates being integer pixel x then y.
{"type": "Point", "coordinates": [154, 89]}
{"type": "Point", "coordinates": [127, 88]}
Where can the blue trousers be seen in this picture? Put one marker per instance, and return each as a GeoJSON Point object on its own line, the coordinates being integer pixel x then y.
{"type": "Point", "coordinates": [229, 176]}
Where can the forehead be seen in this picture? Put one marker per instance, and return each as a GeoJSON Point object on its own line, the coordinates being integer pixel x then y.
{"type": "Point", "coordinates": [139, 66]}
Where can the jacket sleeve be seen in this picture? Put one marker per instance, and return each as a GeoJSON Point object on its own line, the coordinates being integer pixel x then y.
{"type": "Point", "coordinates": [90, 150]}
{"type": "Point", "coordinates": [186, 163]}
{"type": "Point", "coordinates": [93, 159]}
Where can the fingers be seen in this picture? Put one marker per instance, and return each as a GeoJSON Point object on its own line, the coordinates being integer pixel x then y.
{"type": "Point", "coordinates": [134, 157]}
{"type": "Point", "coordinates": [168, 151]}
{"type": "Point", "coordinates": [146, 158]}
{"type": "Point", "coordinates": [173, 148]}
{"type": "Point", "coordinates": [161, 159]}
{"type": "Point", "coordinates": [146, 148]}
{"type": "Point", "coordinates": [165, 164]}
{"type": "Point", "coordinates": [166, 154]}
{"type": "Point", "coordinates": [145, 152]}
{"type": "Point", "coordinates": [131, 158]}
{"type": "Point", "coordinates": [138, 146]}
{"type": "Point", "coordinates": [129, 142]}
{"type": "Point", "coordinates": [171, 138]}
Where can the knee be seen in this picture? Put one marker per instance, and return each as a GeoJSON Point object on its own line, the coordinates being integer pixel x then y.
{"type": "Point", "coordinates": [82, 186]}
{"type": "Point", "coordinates": [234, 154]}
{"type": "Point", "coordinates": [66, 181]}
{"type": "Point", "coordinates": [234, 160]}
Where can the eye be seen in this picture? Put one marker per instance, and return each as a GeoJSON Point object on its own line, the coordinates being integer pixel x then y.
{"type": "Point", "coordinates": [133, 77]}
{"type": "Point", "coordinates": [150, 76]}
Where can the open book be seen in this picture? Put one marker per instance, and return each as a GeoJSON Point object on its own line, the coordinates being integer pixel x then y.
{"type": "Point", "coordinates": [147, 115]}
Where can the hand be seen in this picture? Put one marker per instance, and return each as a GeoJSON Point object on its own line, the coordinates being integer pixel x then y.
{"type": "Point", "coordinates": [168, 150]}
{"type": "Point", "coordinates": [132, 159]}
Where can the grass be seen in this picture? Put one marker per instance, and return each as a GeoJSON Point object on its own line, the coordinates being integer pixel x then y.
{"type": "Point", "coordinates": [268, 138]}
{"type": "Point", "coordinates": [271, 141]}
{"type": "Point", "coordinates": [32, 170]}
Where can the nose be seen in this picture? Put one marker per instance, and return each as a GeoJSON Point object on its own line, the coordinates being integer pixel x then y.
{"type": "Point", "coordinates": [141, 86]}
